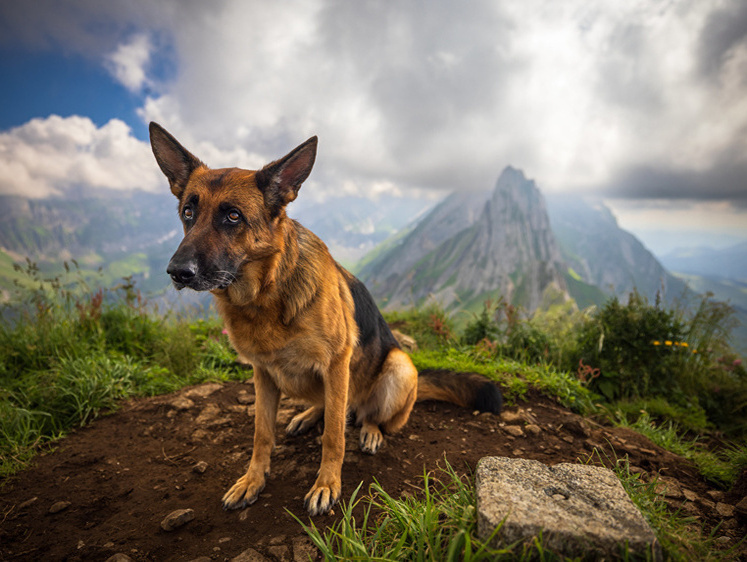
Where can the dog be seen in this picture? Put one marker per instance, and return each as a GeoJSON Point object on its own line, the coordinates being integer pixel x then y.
{"type": "Point", "coordinates": [309, 328]}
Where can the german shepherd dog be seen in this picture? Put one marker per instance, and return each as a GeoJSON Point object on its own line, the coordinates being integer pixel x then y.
{"type": "Point", "coordinates": [310, 329]}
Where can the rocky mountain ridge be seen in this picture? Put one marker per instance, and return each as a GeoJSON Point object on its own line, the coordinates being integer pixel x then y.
{"type": "Point", "coordinates": [471, 247]}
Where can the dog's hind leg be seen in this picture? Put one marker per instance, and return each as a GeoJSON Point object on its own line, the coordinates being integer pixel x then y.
{"type": "Point", "coordinates": [304, 421]}
{"type": "Point", "coordinates": [389, 405]}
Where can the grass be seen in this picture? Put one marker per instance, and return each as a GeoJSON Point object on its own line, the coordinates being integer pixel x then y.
{"type": "Point", "coordinates": [440, 523]}
{"type": "Point", "coordinates": [721, 467]}
{"type": "Point", "coordinates": [67, 355]}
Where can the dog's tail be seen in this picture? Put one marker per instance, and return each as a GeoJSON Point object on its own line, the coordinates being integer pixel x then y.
{"type": "Point", "coordinates": [468, 390]}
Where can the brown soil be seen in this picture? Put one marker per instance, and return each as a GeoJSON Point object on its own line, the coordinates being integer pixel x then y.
{"type": "Point", "coordinates": [123, 474]}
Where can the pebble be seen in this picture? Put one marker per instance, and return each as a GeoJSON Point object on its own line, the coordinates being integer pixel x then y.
{"type": "Point", "coordinates": [281, 552]}
{"type": "Point", "coordinates": [725, 510]}
{"type": "Point", "coordinates": [303, 549]}
{"type": "Point", "coordinates": [27, 503]}
{"type": "Point", "coordinates": [514, 430]}
{"type": "Point", "coordinates": [204, 390]}
{"type": "Point", "coordinates": [200, 467]}
{"type": "Point", "coordinates": [177, 518]}
{"type": "Point", "coordinates": [119, 557]}
{"type": "Point", "coordinates": [181, 403]}
{"type": "Point", "coordinates": [533, 428]}
{"type": "Point", "coordinates": [249, 555]}
{"type": "Point", "coordinates": [59, 506]}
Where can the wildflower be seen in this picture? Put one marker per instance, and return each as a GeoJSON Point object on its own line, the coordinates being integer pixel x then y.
{"type": "Point", "coordinates": [684, 344]}
{"type": "Point", "coordinates": [657, 342]}
{"type": "Point", "coordinates": [668, 343]}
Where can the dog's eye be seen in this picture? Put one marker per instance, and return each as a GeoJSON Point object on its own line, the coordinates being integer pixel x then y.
{"type": "Point", "coordinates": [233, 216]}
{"type": "Point", "coordinates": [188, 213]}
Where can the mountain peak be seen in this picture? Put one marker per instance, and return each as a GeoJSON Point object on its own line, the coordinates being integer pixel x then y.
{"type": "Point", "coordinates": [470, 249]}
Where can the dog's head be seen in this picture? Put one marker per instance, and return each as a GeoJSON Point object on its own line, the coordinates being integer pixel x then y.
{"type": "Point", "coordinates": [229, 215]}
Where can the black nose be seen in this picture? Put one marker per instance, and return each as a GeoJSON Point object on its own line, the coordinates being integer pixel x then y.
{"type": "Point", "coordinates": [182, 273]}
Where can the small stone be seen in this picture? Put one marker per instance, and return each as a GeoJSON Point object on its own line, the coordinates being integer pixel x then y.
{"type": "Point", "coordinates": [303, 549]}
{"type": "Point", "coordinates": [715, 495]}
{"type": "Point", "coordinates": [59, 506]}
{"type": "Point", "coordinates": [533, 428]}
{"type": "Point", "coordinates": [224, 539]}
{"type": "Point", "coordinates": [281, 553]}
{"type": "Point", "coordinates": [690, 495]}
{"type": "Point", "coordinates": [181, 403]}
{"type": "Point", "coordinates": [27, 503]}
{"type": "Point", "coordinates": [280, 539]}
{"type": "Point", "coordinates": [510, 417]}
{"type": "Point", "coordinates": [177, 518]}
{"type": "Point", "coordinates": [249, 555]}
{"type": "Point", "coordinates": [724, 540]}
{"type": "Point", "coordinates": [208, 413]}
{"type": "Point", "coordinates": [199, 434]}
{"type": "Point", "coordinates": [514, 430]}
{"type": "Point", "coordinates": [200, 467]}
{"type": "Point", "coordinates": [725, 510]}
{"type": "Point", "coordinates": [119, 557]}
{"type": "Point", "coordinates": [204, 390]}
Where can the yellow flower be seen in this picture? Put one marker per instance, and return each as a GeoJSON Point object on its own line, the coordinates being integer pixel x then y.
{"type": "Point", "coordinates": [667, 342]}
{"type": "Point", "coordinates": [684, 344]}
{"type": "Point", "coordinates": [657, 342]}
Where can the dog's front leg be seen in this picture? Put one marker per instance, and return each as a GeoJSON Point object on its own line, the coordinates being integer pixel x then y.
{"type": "Point", "coordinates": [326, 490]}
{"type": "Point", "coordinates": [247, 488]}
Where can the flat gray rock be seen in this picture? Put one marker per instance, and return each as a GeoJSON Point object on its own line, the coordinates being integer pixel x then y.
{"type": "Point", "coordinates": [579, 509]}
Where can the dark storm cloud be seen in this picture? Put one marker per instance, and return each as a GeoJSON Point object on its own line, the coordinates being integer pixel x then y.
{"type": "Point", "coordinates": [726, 181]}
{"type": "Point", "coordinates": [724, 30]}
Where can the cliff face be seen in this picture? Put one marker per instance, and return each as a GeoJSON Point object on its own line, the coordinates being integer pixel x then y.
{"type": "Point", "coordinates": [472, 247]}
{"type": "Point", "coordinates": [602, 254]}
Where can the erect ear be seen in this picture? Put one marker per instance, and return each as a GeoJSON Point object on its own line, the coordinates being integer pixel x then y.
{"type": "Point", "coordinates": [175, 161]}
{"type": "Point", "coordinates": [281, 180]}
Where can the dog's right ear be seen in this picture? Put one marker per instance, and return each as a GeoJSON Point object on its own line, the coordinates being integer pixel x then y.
{"type": "Point", "coordinates": [175, 161]}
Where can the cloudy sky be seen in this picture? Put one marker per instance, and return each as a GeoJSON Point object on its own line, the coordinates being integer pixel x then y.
{"type": "Point", "coordinates": [641, 103]}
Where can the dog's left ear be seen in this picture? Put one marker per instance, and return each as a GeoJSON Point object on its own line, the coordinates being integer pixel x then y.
{"type": "Point", "coordinates": [281, 180]}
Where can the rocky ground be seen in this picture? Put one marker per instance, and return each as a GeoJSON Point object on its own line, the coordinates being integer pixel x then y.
{"type": "Point", "coordinates": [109, 488]}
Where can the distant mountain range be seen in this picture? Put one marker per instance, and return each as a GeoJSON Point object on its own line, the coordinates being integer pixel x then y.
{"type": "Point", "coordinates": [726, 263]}
{"type": "Point", "coordinates": [512, 242]}
{"type": "Point", "coordinates": [509, 241]}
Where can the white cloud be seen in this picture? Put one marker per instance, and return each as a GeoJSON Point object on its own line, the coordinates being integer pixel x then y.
{"type": "Point", "coordinates": [47, 156]}
{"type": "Point", "coordinates": [128, 62]}
{"type": "Point", "coordinates": [580, 95]}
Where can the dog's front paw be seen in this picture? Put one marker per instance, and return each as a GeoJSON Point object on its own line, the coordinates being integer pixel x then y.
{"type": "Point", "coordinates": [244, 492]}
{"type": "Point", "coordinates": [371, 438]}
{"type": "Point", "coordinates": [322, 497]}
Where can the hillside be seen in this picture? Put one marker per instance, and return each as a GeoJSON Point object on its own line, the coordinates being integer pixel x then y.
{"type": "Point", "coordinates": [471, 247]}
{"type": "Point", "coordinates": [600, 254]}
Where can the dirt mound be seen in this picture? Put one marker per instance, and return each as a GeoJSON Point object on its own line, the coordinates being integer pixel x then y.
{"type": "Point", "coordinates": [107, 488]}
